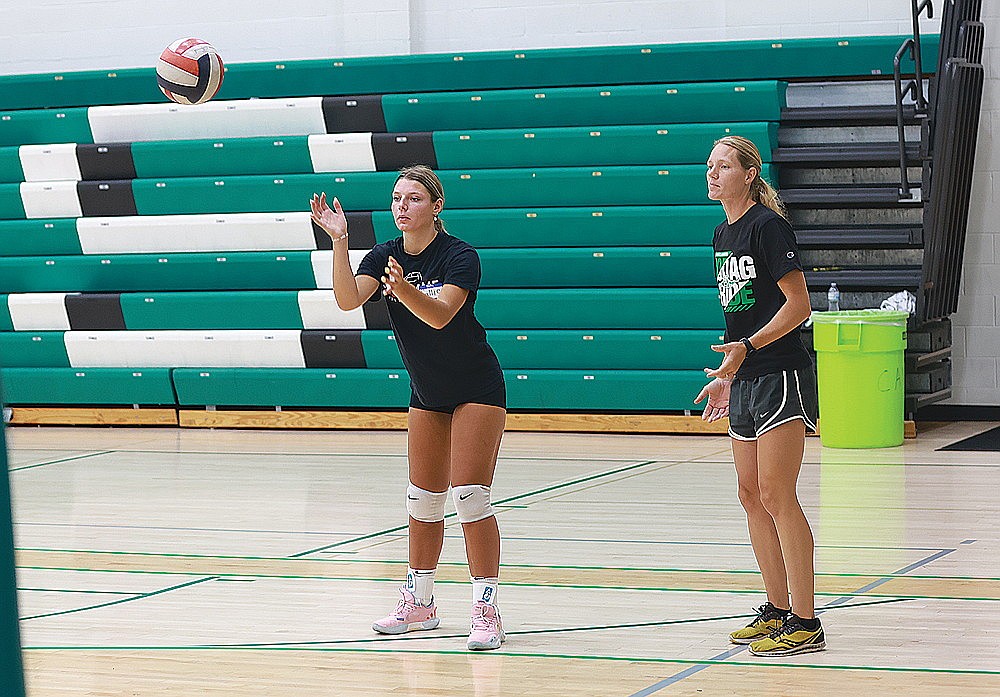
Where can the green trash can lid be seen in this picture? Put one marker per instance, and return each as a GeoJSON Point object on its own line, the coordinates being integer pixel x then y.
{"type": "Point", "coordinates": [895, 318]}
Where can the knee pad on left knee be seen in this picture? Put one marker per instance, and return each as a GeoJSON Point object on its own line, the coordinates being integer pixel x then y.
{"type": "Point", "coordinates": [472, 502]}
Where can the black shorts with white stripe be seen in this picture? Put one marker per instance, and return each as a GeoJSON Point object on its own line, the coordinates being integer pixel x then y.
{"type": "Point", "coordinates": [759, 404]}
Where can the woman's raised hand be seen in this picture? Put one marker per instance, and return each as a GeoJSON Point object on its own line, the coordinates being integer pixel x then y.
{"type": "Point", "coordinates": [333, 221]}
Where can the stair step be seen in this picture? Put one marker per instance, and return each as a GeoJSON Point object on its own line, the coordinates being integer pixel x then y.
{"type": "Point", "coordinates": [847, 154]}
{"type": "Point", "coordinates": [848, 197]}
{"type": "Point", "coordinates": [870, 115]}
{"type": "Point", "coordinates": [882, 278]}
{"type": "Point", "coordinates": [855, 237]}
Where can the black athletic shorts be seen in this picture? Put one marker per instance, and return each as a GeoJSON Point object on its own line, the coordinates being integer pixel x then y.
{"type": "Point", "coordinates": [759, 404]}
{"type": "Point", "coordinates": [496, 398]}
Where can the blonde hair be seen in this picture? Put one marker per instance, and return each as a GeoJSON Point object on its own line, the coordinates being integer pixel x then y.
{"type": "Point", "coordinates": [749, 156]}
{"type": "Point", "coordinates": [425, 176]}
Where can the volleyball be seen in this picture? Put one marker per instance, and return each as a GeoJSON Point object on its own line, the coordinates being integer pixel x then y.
{"type": "Point", "coordinates": [189, 71]}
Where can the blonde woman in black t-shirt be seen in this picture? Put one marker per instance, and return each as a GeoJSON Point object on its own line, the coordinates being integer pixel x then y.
{"type": "Point", "coordinates": [765, 385]}
{"type": "Point", "coordinates": [458, 402]}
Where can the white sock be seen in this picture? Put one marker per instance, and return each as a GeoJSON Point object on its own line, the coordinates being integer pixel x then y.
{"type": "Point", "coordinates": [420, 582]}
{"type": "Point", "coordinates": [485, 589]}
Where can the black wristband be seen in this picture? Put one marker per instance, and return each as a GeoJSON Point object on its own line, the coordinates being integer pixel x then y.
{"type": "Point", "coordinates": [746, 342]}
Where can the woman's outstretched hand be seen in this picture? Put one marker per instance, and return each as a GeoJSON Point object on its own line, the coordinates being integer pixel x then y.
{"type": "Point", "coordinates": [717, 407]}
{"type": "Point", "coordinates": [332, 221]}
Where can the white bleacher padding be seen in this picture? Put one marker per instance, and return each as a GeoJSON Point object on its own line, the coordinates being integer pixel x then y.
{"type": "Point", "coordinates": [132, 123]}
{"type": "Point", "coordinates": [47, 163]}
{"type": "Point", "coordinates": [225, 232]}
{"type": "Point", "coordinates": [342, 152]}
{"type": "Point", "coordinates": [322, 263]}
{"type": "Point", "coordinates": [319, 311]}
{"type": "Point", "coordinates": [230, 348]}
{"type": "Point", "coordinates": [38, 311]}
{"type": "Point", "coordinates": [50, 200]}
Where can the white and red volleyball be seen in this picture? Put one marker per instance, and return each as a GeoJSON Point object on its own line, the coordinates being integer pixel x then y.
{"type": "Point", "coordinates": [189, 71]}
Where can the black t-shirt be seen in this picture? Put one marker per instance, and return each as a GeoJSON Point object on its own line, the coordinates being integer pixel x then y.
{"type": "Point", "coordinates": [454, 364]}
{"type": "Point", "coordinates": [751, 255]}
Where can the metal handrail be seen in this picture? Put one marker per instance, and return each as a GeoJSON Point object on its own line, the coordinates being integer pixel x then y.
{"type": "Point", "coordinates": [914, 88]}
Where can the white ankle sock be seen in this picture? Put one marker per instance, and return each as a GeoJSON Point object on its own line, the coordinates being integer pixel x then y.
{"type": "Point", "coordinates": [485, 589]}
{"type": "Point", "coordinates": [420, 582]}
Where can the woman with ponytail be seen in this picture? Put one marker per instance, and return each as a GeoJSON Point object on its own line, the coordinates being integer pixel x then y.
{"type": "Point", "coordinates": [766, 386]}
{"type": "Point", "coordinates": [458, 400]}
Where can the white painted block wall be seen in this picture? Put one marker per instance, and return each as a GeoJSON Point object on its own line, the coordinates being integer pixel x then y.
{"type": "Point", "coordinates": [58, 35]}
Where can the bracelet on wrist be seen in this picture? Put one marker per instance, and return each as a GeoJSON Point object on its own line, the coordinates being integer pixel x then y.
{"type": "Point", "coordinates": [342, 237]}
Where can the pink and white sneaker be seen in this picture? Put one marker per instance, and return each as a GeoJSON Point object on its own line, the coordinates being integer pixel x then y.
{"type": "Point", "coordinates": [487, 628]}
{"type": "Point", "coordinates": [409, 616]}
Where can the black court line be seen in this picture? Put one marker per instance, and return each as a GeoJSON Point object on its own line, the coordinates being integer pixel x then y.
{"type": "Point", "coordinates": [496, 503]}
{"type": "Point", "coordinates": [65, 459]}
{"type": "Point", "coordinates": [140, 596]}
{"type": "Point", "coordinates": [841, 602]}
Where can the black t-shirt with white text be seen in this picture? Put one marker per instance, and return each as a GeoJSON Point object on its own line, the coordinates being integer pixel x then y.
{"type": "Point", "coordinates": [751, 256]}
{"type": "Point", "coordinates": [454, 364]}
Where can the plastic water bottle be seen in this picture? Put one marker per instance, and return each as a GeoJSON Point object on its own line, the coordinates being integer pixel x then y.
{"type": "Point", "coordinates": [833, 298]}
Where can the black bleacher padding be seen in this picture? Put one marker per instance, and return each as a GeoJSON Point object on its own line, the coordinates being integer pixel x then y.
{"type": "Point", "coordinates": [360, 228]}
{"type": "Point", "coordinates": [106, 198]}
{"type": "Point", "coordinates": [325, 348]}
{"type": "Point", "coordinates": [396, 150]}
{"type": "Point", "coordinates": [95, 311]}
{"type": "Point", "coordinates": [108, 161]}
{"type": "Point", "coordinates": [376, 312]}
{"type": "Point", "coordinates": [354, 114]}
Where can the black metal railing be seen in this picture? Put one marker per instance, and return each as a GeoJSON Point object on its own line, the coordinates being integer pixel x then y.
{"type": "Point", "coordinates": [914, 88]}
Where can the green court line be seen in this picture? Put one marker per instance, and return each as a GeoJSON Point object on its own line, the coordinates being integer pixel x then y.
{"type": "Point", "coordinates": [72, 590]}
{"type": "Point", "coordinates": [520, 654]}
{"type": "Point", "coordinates": [65, 459]}
{"type": "Point", "coordinates": [374, 455]}
{"type": "Point", "coordinates": [536, 492]}
{"type": "Point", "coordinates": [519, 584]}
{"type": "Point", "coordinates": [140, 596]}
{"type": "Point", "coordinates": [397, 562]}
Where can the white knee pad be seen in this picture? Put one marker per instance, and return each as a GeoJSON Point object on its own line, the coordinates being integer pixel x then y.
{"type": "Point", "coordinates": [472, 501]}
{"type": "Point", "coordinates": [425, 506]}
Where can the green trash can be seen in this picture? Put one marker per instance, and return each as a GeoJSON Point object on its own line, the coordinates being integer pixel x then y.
{"type": "Point", "coordinates": [861, 378]}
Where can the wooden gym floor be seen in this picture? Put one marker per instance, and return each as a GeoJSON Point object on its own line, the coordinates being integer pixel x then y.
{"type": "Point", "coordinates": [195, 562]}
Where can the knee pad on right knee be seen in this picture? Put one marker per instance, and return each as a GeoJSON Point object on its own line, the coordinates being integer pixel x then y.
{"type": "Point", "coordinates": [425, 506]}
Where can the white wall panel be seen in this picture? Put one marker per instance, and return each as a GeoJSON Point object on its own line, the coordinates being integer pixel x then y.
{"type": "Point", "coordinates": [342, 152]}
{"type": "Point", "coordinates": [225, 232]}
{"type": "Point", "coordinates": [223, 119]}
{"type": "Point", "coordinates": [50, 200]}
{"type": "Point", "coordinates": [38, 311]}
{"type": "Point", "coordinates": [319, 311]}
{"type": "Point", "coordinates": [46, 163]}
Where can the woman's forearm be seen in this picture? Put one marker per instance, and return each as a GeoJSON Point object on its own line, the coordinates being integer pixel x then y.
{"type": "Point", "coordinates": [345, 285]}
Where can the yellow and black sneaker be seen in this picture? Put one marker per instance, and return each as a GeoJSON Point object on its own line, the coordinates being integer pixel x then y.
{"type": "Point", "coordinates": [792, 638]}
{"type": "Point", "coordinates": [769, 619]}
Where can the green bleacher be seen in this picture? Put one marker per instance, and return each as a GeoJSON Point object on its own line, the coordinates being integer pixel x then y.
{"type": "Point", "coordinates": [578, 174]}
{"type": "Point", "coordinates": [693, 62]}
